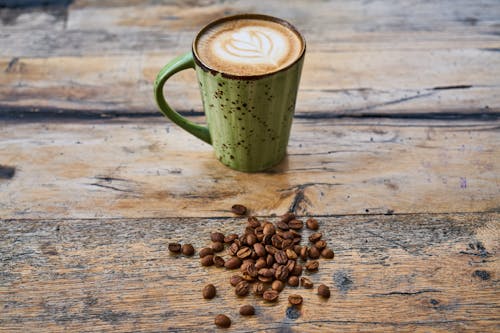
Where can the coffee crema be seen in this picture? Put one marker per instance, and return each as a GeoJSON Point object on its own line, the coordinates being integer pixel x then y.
{"type": "Point", "coordinates": [248, 46]}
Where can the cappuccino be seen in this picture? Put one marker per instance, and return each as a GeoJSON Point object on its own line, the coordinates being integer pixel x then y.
{"type": "Point", "coordinates": [248, 46]}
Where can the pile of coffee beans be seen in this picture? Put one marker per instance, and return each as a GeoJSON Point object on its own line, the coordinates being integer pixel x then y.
{"type": "Point", "coordinates": [268, 256]}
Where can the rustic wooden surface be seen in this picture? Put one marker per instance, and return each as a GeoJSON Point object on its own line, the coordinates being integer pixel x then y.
{"type": "Point", "coordinates": [395, 148]}
{"type": "Point", "coordinates": [408, 273]}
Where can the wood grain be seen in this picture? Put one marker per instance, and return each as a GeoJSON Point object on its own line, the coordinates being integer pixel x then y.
{"type": "Point", "coordinates": [408, 273]}
{"type": "Point", "coordinates": [392, 57]}
{"type": "Point", "coordinates": [151, 168]}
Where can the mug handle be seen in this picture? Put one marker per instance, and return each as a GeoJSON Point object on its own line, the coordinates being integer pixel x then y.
{"type": "Point", "coordinates": [176, 65]}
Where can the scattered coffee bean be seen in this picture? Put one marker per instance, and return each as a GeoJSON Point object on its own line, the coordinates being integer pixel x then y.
{"type": "Point", "coordinates": [277, 285]}
{"type": "Point", "coordinates": [291, 254]}
{"type": "Point", "coordinates": [239, 209]}
{"type": "Point", "coordinates": [207, 260]}
{"type": "Point", "coordinates": [251, 239]}
{"type": "Point", "coordinates": [206, 251]}
{"type": "Point", "coordinates": [312, 265]}
{"type": "Point", "coordinates": [312, 224]}
{"type": "Point", "coordinates": [259, 288]}
{"type": "Point", "coordinates": [297, 270]}
{"type": "Point", "coordinates": [281, 273]}
{"type": "Point", "coordinates": [222, 321]}
{"type": "Point", "coordinates": [314, 252]}
{"type": "Point", "coordinates": [287, 217]}
{"type": "Point", "coordinates": [282, 225]}
{"type": "Point", "coordinates": [233, 263]}
{"type": "Point", "coordinates": [242, 288]}
{"type": "Point", "coordinates": [293, 281]}
{"type": "Point", "coordinates": [304, 252]}
{"type": "Point", "coordinates": [320, 245]}
{"type": "Point", "coordinates": [233, 249]}
{"type": "Point", "coordinates": [217, 237]}
{"type": "Point", "coordinates": [306, 283]}
{"type": "Point", "coordinates": [230, 238]}
{"type": "Point", "coordinates": [295, 299]}
{"type": "Point", "coordinates": [209, 291]}
{"type": "Point", "coordinates": [296, 224]}
{"type": "Point", "coordinates": [217, 246]}
{"type": "Point", "coordinates": [280, 257]}
{"type": "Point", "coordinates": [253, 222]}
{"type": "Point", "coordinates": [259, 249]}
{"type": "Point", "coordinates": [218, 261]}
{"type": "Point", "coordinates": [269, 229]}
{"type": "Point", "coordinates": [260, 263]}
{"type": "Point", "coordinates": [174, 247]}
{"type": "Point", "coordinates": [327, 253]}
{"type": "Point", "coordinates": [247, 310]}
{"type": "Point", "coordinates": [315, 237]}
{"type": "Point", "coordinates": [187, 249]}
{"type": "Point", "coordinates": [244, 252]}
{"type": "Point", "coordinates": [270, 295]}
{"type": "Point", "coordinates": [235, 279]}
{"type": "Point", "coordinates": [324, 291]}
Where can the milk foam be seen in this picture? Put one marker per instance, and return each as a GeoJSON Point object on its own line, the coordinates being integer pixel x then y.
{"type": "Point", "coordinates": [248, 46]}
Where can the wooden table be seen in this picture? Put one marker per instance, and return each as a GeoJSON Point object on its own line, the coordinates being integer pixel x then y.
{"type": "Point", "coordinates": [394, 149]}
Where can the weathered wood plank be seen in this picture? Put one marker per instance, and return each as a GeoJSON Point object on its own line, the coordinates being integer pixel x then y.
{"type": "Point", "coordinates": [151, 168]}
{"type": "Point", "coordinates": [352, 83]}
{"type": "Point", "coordinates": [363, 58]}
{"type": "Point", "coordinates": [408, 273]}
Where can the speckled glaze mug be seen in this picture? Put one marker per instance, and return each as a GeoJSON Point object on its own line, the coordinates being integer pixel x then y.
{"type": "Point", "coordinates": [249, 113]}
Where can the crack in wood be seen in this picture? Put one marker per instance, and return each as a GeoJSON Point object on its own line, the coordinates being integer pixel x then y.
{"type": "Point", "coordinates": [407, 293]}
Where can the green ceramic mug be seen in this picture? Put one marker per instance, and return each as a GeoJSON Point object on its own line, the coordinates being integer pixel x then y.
{"type": "Point", "coordinates": [248, 68]}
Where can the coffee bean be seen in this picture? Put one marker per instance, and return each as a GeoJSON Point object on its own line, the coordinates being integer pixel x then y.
{"type": "Point", "coordinates": [233, 263]}
{"type": "Point", "coordinates": [287, 243]}
{"type": "Point", "coordinates": [217, 246]}
{"type": "Point", "coordinates": [174, 247]}
{"type": "Point", "coordinates": [312, 265]}
{"type": "Point", "coordinates": [306, 283]}
{"type": "Point", "coordinates": [239, 209]}
{"type": "Point", "coordinates": [291, 254]}
{"type": "Point", "coordinates": [327, 253]}
{"type": "Point", "coordinates": [296, 224]}
{"type": "Point", "coordinates": [287, 217]}
{"type": "Point", "coordinates": [242, 288]}
{"type": "Point", "coordinates": [253, 222]}
{"type": "Point", "coordinates": [312, 224]}
{"type": "Point", "coordinates": [244, 252]}
{"type": "Point", "coordinates": [297, 270]}
{"type": "Point", "coordinates": [321, 244]}
{"type": "Point", "coordinates": [271, 249]}
{"type": "Point", "coordinates": [209, 291]}
{"type": "Point", "coordinates": [266, 272]}
{"type": "Point", "coordinates": [233, 249]}
{"type": "Point", "coordinates": [290, 265]}
{"type": "Point", "coordinates": [314, 252]}
{"type": "Point", "coordinates": [260, 263]}
{"type": "Point", "coordinates": [282, 225]}
{"type": "Point", "coordinates": [277, 241]}
{"type": "Point", "coordinates": [222, 321]}
{"type": "Point", "coordinates": [259, 249]}
{"type": "Point", "coordinates": [293, 281]}
{"type": "Point", "coordinates": [206, 251]}
{"type": "Point", "coordinates": [187, 249]}
{"type": "Point", "coordinates": [269, 229]}
{"type": "Point", "coordinates": [277, 285]}
{"type": "Point", "coordinates": [230, 238]}
{"type": "Point", "coordinates": [265, 279]}
{"type": "Point", "coordinates": [269, 260]}
{"type": "Point", "coordinates": [247, 310]}
{"type": "Point", "coordinates": [207, 260]}
{"type": "Point", "coordinates": [218, 261]}
{"type": "Point", "coordinates": [295, 299]}
{"type": "Point", "coordinates": [252, 270]}
{"type": "Point", "coordinates": [324, 291]}
{"type": "Point", "coordinates": [251, 239]}
{"type": "Point", "coordinates": [270, 295]}
{"type": "Point", "coordinates": [281, 273]}
{"type": "Point", "coordinates": [217, 237]}
{"type": "Point", "coordinates": [315, 237]}
{"type": "Point", "coordinates": [280, 257]}
{"type": "Point", "coordinates": [259, 288]}
{"type": "Point", "coordinates": [297, 249]}
{"type": "Point", "coordinates": [235, 279]}
{"type": "Point", "coordinates": [304, 252]}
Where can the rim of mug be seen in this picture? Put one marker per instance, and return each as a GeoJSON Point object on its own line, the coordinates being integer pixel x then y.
{"type": "Point", "coordinates": [246, 16]}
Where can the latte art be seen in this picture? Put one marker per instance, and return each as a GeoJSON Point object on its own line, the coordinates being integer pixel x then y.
{"type": "Point", "coordinates": [248, 47]}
